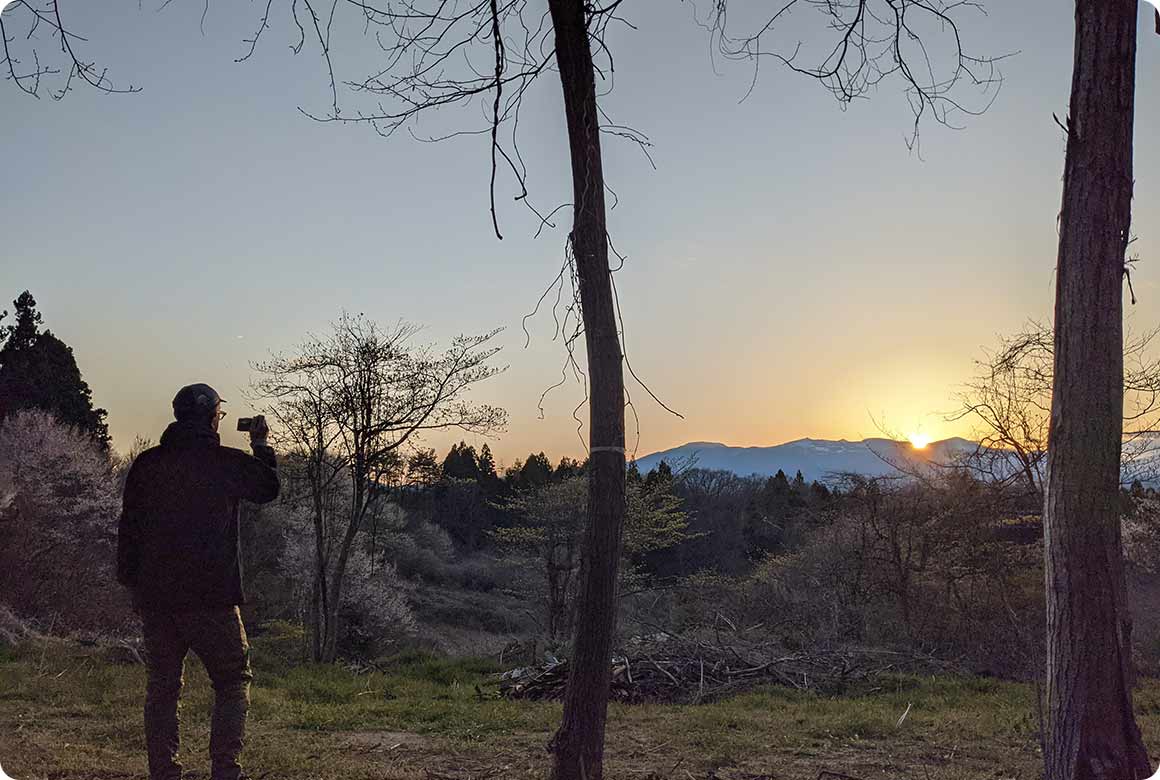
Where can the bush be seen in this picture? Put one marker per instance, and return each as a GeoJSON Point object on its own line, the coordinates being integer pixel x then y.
{"type": "Point", "coordinates": [421, 550]}
{"type": "Point", "coordinates": [59, 506]}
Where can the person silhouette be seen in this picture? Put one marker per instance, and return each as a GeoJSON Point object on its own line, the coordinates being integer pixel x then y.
{"type": "Point", "coordinates": [178, 550]}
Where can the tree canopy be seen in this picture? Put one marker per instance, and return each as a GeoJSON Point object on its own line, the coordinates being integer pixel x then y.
{"type": "Point", "coordinates": [39, 371]}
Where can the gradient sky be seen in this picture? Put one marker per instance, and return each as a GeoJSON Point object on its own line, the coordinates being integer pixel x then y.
{"type": "Point", "coordinates": [793, 270]}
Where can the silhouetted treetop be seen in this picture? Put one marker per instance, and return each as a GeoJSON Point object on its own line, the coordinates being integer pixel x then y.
{"type": "Point", "coordinates": [39, 371]}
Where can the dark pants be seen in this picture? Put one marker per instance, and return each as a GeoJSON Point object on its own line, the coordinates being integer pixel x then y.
{"type": "Point", "coordinates": [219, 639]}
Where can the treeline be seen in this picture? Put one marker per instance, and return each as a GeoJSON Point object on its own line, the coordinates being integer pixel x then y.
{"type": "Point", "coordinates": [733, 521]}
{"type": "Point", "coordinates": [378, 542]}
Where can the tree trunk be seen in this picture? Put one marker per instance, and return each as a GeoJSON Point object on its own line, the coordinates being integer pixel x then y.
{"type": "Point", "coordinates": [317, 611]}
{"type": "Point", "coordinates": [578, 746]}
{"type": "Point", "coordinates": [334, 600]}
{"type": "Point", "coordinates": [319, 591]}
{"type": "Point", "coordinates": [359, 506]}
{"type": "Point", "coordinates": [1092, 732]}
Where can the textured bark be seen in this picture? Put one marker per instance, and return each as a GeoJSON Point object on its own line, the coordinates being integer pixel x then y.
{"type": "Point", "coordinates": [578, 746]}
{"type": "Point", "coordinates": [1092, 732]}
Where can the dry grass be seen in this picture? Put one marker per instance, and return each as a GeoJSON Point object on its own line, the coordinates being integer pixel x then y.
{"type": "Point", "coordinates": [67, 712]}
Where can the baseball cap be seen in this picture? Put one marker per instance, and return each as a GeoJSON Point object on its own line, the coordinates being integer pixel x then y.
{"type": "Point", "coordinates": [196, 400]}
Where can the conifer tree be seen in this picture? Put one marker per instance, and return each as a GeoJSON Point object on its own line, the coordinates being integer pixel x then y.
{"type": "Point", "coordinates": [39, 371]}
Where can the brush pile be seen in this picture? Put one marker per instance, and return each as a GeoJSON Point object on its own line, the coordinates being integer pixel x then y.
{"type": "Point", "coordinates": [684, 673]}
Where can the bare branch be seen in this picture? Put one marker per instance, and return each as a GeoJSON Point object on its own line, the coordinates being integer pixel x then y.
{"type": "Point", "coordinates": [871, 41]}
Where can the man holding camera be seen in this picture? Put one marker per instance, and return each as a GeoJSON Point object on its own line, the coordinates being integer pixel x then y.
{"type": "Point", "coordinates": [178, 549]}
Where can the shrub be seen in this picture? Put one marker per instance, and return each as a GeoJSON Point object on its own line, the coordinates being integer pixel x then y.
{"type": "Point", "coordinates": [59, 506]}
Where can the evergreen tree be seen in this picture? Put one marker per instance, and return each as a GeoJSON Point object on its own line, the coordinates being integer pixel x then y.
{"type": "Point", "coordinates": [38, 370]}
{"type": "Point", "coordinates": [659, 478]}
{"type": "Point", "coordinates": [23, 334]}
{"type": "Point", "coordinates": [423, 468]}
{"type": "Point", "coordinates": [820, 492]}
{"type": "Point", "coordinates": [489, 480]}
{"type": "Point", "coordinates": [797, 495]}
{"type": "Point", "coordinates": [536, 472]}
{"type": "Point", "coordinates": [461, 462]}
{"type": "Point", "coordinates": [766, 516]}
{"type": "Point", "coordinates": [632, 475]}
{"type": "Point", "coordinates": [486, 465]}
{"type": "Point", "coordinates": [568, 467]}
{"type": "Point", "coordinates": [779, 483]}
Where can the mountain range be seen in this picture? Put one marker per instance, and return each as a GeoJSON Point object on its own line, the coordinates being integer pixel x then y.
{"type": "Point", "coordinates": [819, 459]}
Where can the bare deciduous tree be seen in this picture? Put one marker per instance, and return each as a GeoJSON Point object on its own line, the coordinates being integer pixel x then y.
{"type": "Point", "coordinates": [1010, 400]}
{"type": "Point", "coordinates": [866, 43]}
{"type": "Point", "coordinates": [345, 404]}
{"type": "Point", "coordinates": [41, 21]}
{"type": "Point", "coordinates": [1091, 728]}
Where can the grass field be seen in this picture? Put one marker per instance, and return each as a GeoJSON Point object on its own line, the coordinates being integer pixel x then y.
{"type": "Point", "coordinates": [66, 711]}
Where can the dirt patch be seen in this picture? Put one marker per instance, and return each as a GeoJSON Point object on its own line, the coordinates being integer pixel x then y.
{"type": "Point", "coordinates": [400, 754]}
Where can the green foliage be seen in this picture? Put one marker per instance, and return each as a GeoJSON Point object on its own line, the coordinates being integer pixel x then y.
{"type": "Point", "coordinates": [654, 520]}
{"type": "Point", "coordinates": [38, 370]}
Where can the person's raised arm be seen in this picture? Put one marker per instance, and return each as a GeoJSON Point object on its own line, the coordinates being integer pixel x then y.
{"type": "Point", "coordinates": [256, 478]}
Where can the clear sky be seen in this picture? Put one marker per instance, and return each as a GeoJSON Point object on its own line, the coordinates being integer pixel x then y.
{"type": "Point", "coordinates": [793, 270]}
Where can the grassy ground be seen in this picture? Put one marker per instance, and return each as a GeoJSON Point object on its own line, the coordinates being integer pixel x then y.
{"type": "Point", "coordinates": [66, 711]}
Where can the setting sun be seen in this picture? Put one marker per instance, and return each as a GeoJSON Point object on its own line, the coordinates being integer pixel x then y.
{"type": "Point", "coordinates": [919, 440]}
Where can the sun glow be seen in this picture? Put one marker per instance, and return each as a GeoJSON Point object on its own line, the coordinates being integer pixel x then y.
{"type": "Point", "coordinates": [919, 440]}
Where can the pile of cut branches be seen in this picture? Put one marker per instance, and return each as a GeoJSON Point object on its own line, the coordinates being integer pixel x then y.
{"type": "Point", "coordinates": [693, 673]}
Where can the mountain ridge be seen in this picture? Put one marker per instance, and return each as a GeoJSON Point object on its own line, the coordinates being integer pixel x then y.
{"type": "Point", "coordinates": [817, 459]}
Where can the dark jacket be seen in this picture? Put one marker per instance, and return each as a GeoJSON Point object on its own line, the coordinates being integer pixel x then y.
{"type": "Point", "coordinates": [177, 544]}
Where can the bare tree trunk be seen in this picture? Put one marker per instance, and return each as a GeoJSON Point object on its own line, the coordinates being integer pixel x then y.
{"type": "Point", "coordinates": [317, 610]}
{"type": "Point", "coordinates": [579, 744]}
{"type": "Point", "coordinates": [319, 591]}
{"type": "Point", "coordinates": [1092, 732]}
{"type": "Point", "coordinates": [338, 580]}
